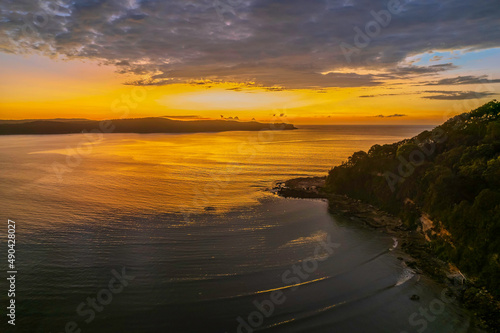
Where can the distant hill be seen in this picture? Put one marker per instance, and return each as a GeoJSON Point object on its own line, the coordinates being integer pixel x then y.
{"type": "Point", "coordinates": [445, 183]}
{"type": "Point", "coordinates": [20, 121]}
{"type": "Point", "coordinates": [137, 125]}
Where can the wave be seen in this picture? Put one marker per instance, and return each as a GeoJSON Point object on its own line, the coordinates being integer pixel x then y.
{"type": "Point", "coordinates": [316, 312]}
{"type": "Point", "coordinates": [286, 287]}
{"type": "Point", "coordinates": [406, 276]}
{"type": "Point", "coordinates": [395, 245]}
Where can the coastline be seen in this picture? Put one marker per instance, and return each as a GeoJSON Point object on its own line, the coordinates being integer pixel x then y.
{"type": "Point", "coordinates": [416, 253]}
{"type": "Point", "coordinates": [413, 243]}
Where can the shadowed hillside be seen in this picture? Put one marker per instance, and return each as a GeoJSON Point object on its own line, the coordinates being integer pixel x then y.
{"type": "Point", "coordinates": [445, 183]}
{"type": "Point", "coordinates": [140, 125]}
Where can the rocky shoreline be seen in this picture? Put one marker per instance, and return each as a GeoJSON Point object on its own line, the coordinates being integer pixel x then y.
{"type": "Point", "coordinates": [412, 242]}
{"type": "Point", "coordinates": [416, 255]}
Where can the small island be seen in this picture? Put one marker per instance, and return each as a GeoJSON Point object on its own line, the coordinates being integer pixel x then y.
{"type": "Point", "coordinates": [135, 125]}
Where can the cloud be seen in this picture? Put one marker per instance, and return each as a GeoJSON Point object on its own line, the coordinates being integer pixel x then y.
{"type": "Point", "coordinates": [396, 115]}
{"type": "Point", "coordinates": [281, 115]}
{"type": "Point", "coordinates": [187, 117]}
{"type": "Point", "coordinates": [378, 95]}
{"type": "Point", "coordinates": [419, 70]}
{"type": "Point", "coordinates": [265, 76]}
{"type": "Point", "coordinates": [457, 95]}
{"type": "Point", "coordinates": [469, 79]}
{"type": "Point", "coordinates": [286, 43]}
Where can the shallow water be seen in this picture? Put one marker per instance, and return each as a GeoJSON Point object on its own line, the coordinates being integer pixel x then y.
{"type": "Point", "coordinates": [138, 201]}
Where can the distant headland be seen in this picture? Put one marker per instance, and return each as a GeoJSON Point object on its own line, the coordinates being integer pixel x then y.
{"type": "Point", "coordinates": [134, 125]}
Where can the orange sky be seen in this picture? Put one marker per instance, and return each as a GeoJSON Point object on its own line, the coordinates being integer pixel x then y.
{"type": "Point", "coordinates": [305, 62]}
{"type": "Point", "coordinates": [39, 87]}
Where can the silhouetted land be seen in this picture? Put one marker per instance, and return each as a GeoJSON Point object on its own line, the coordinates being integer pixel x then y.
{"type": "Point", "coordinates": [442, 189]}
{"type": "Point", "coordinates": [138, 125]}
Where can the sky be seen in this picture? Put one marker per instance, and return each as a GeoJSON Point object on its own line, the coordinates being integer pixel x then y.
{"type": "Point", "coordinates": [299, 61]}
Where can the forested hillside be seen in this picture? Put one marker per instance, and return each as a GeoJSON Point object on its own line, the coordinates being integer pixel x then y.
{"type": "Point", "coordinates": [450, 174]}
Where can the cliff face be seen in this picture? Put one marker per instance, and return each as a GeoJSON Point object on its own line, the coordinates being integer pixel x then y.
{"type": "Point", "coordinates": [444, 182]}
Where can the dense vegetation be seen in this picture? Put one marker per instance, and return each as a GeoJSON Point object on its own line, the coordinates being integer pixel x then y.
{"type": "Point", "coordinates": [451, 173]}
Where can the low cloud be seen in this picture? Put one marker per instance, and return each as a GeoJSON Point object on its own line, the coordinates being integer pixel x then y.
{"type": "Point", "coordinates": [457, 95]}
{"type": "Point", "coordinates": [378, 95]}
{"type": "Point", "coordinates": [396, 115]}
{"type": "Point", "coordinates": [270, 77]}
{"type": "Point", "coordinates": [423, 70]}
{"type": "Point", "coordinates": [469, 79]}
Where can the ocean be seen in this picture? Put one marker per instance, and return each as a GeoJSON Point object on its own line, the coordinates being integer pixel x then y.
{"type": "Point", "coordinates": [179, 233]}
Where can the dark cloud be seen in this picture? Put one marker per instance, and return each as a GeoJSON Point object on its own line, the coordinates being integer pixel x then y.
{"type": "Point", "coordinates": [264, 75]}
{"type": "Point", "coordinates": [456, 95]}
{"type": "Point", "coordinates": [396, 115]}
{"type": "Point", "coordinates": [286, 43]}
{"type": "Point", "coordinates": [469, 79]}
{"type": "Point", "coordinates": [420, 70]}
